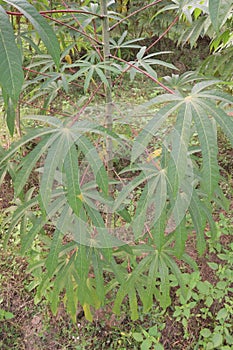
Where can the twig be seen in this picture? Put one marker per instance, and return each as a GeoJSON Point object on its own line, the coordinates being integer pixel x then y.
{"type": "Point", "coordinates": [163, 34]}
{"type": "Point", "coordinates": [73, 28]}
{"type": "Point", "coordinates": [84, 32]}
{"type": "Point", "coordinates": [51, 12]}
{"type": "Point", "coordinates": [134, 13]}
{"type": "Point", "coordinates": [76, 117]}
{"type": "Point", "coordinates": [145, 73]}
{"type": "Point", "coordinates": [149, 47]}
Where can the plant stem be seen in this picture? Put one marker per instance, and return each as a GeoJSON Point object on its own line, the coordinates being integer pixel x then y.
{"type": "Point", "coordinates": [131, 65]}
{"type": "Point", "coordinates": [134, 13]}
{"type": "Point", "coordinates": [51, 12]}
{"type": "Point", "coordinates": [73, 28]}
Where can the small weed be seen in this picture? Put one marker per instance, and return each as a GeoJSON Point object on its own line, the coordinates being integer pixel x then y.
{"type": "Point", "coordinates": [149, 339]}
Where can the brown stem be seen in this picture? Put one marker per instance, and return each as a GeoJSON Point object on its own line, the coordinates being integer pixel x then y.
{"type": "Point", "coordinates": [145, 73]}
{"type": "Point", "coordinates": [84, 32]}
{"type": "Point", "coordinates": [74, 29]}
{"type": "Point", "coordinates": [76, 117]}
{"type": "Point", "coordinates": [43, 109]}
{"type": "Point", "coordinates": [51, 12]}
{"type": "Point", "coordinates": [36, 72]}
{"type": "Point", "coordinates": [149, 47]}
{"type": "Point", "coordinates": [163, 34]}
{"type": "Point", "coordinates": [134, 13]}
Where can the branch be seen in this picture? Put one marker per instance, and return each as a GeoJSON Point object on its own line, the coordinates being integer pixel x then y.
{"type": "Point", "coordinates": [134, 13]}
{"type": "Point", "coordinates": [145, 73]}
{"type": "Point", "coordinates": [163, 34]}
{"type": "Point", "coordinates": [51, 12]}
{"type": "Point", "coordinates": [75, 29]}
{"type": "Point", "coordinates": [154, 43]}
{"type": "Point", "coordinates": [84, 32]}
{"type": "Point", "coordinates": [77, 115]}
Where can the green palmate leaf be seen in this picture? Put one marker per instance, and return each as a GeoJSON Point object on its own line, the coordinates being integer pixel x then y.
{"type": "Point", "coordinates": [144, 202]}
{"type": "Point", "coordinates": [11, 73]}
{"type": "Point", "coordinates": [224, 120]}
{"type": "Point", "coordinates": [98, 271]}
{"type": "Point", "coordinates": [10, 116]}
{"type": "Point", "coordinates": [95, 217]}
{"type": "Point", "coordinates": [102, 76]}
{"type": "Point", "coordinates": [95, 162]}
{"type": "Point", "coordinates": [122, 292]}
{"type": "Point", "coordinates": [88, 78]}
{"type": "Point", "coordinates": [72, 300]}
{"type": "Point", "coordinates": [179, 162]}
{"type": "Point", "coordinates": [159, 230]}
{"type": "Point", "coordinates": [151, 129]}
{"type": "Point", "coordinates": [221, 40]}
{"type": "Point", "coordinates": [38, 225]}
{"type": "Point", "coordinates": [29, 162]}
{"type": "Point", "coordinates": [53, 121]}
{"type": "Point", "coordinates": [52, 259]}
{"type": "Point", "coordinates": [199, 220]}
{"type": "Point", "coordinates": [188, 260]}
{"type": "Point", "coordinates": [133, 304]}
{"type": "Point", "coordinates": [218, 10]}
{"type": "Point", "coordinates": [28, 239]}
{"type": "Point", "coordinates": [164, 98]}
{"type": "Point", "coordinates": [71, 170]}
{"type": "Point", "coordinates": [60, 282]}
{"type": "Point", "coordinates": [208, 139]}
{"type": "Point", "coordinates": [18, 216]}
{"type": "Point", "coordinates": [42, 27]}
{"type": "Point", "coordinates": [151, 280]}
{"type": "Point", "coordinates": [82, 264]}
{"type": "Point", "coordinates": [142, 293]}
{"type": "Point", "coordinates": [54, 297]}
{"type": "Point", "coordinates": [42, 287]}
{"type": "Point", "coordinates": [170, 262]}
{"type": "Point", "coordinates": [147, 63]}
{"type": "Point", "coordinates": [165, 299]}
{"type": "Point", "coordinates": [208, 212]}
{"type": "Point", "coordinates": [216, 95]}
{"type": "Point", "coordinates": [180, 203]}
{"type": "Point", "coordinates": [160, 196]}
{"type": "Point", "coordinates": [141, 52]}
{"type": "Point", "coordinates": [219, 64]}
{"type": "Point", "coordinates": [51, 262]}
{"type": "Point", "coordinates": [54, 159]}
{"type": "Point", "coordinates": [203, 85]}
{"type": "Point", "coordinates": [126, 190]}
{"type": "Point", "coordinates": [102, 236]}
{"type": "Point", "coordinates": [181, 234]}
{"type": "Point", "coordinates": [177, 166]}
{"type": "Point", "coordinates": [192, 34]}
{"type": "Point", "coordinates": [221, 199]}
{"type": "Point", "coordinates": [87, 312]}
{"type": "Point", "coordinates": [183, 128]}
{"type": "Point", "coordinates": [129, 284]}
{"type": "Point", "coordinates": [35, 133]}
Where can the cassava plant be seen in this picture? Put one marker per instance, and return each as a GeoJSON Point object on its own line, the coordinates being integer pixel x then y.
{"type": "Point", "coordinates": [95, 247]}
